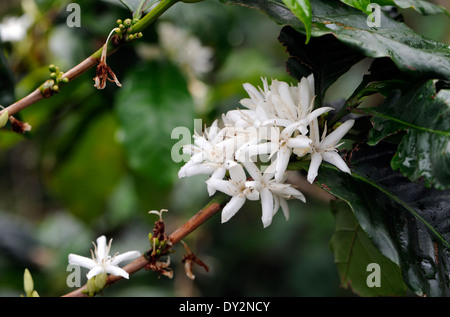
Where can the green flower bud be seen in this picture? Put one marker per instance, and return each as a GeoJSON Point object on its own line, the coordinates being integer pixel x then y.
{"type": "Point", "coordinates": [130, 37]}
{"type": "Point", "coordinates": [119, 22]}
{"type": "Point", "coordinates": [55, 88]}
{"type": "Point", "coordinates": [134, 21]}
{"type": "Point", "coordinates": [150, 236]}
{"type": "Point", "coordinates": [4, 119]}
{"type": "Point", "coordinates": [129, 30]}
{"type": "Point", "coordinates": [121, 26]}
{"type": "Point", "coordinates": [100, 281]}
{"type": "Point", "coordinates": [52, 68]}
{"type": "Point", "coordinates": [158, 252]}
{"type": "Point", "coordinates": [64, 80]}
{"type": "Point", "coordinates": [156, 241]}
{"type": "Point", "coordinates": [127, 22]}
{"type": "Point", "coordinates": [53, 75]}
{"type": "Point", "coordinates": [117, 30]}
{"type": "Point", "coordinates": [90, 287]}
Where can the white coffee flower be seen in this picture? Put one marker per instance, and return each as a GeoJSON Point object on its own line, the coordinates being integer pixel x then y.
{"type": "Point", "coordinates": [235, 187]}
{"type": "Point", "coordinates": [101, 261]}
{"type": "Point", "coordinates": [185, 49]}
{"type": "Point", "coordinates": [283, 105]}
{"type": "Point", "coordinates": [326, 149]}
{"type": "Point", "coordinates": [14, 29]}
{"type": "Point", "coordinates": [273, 194]}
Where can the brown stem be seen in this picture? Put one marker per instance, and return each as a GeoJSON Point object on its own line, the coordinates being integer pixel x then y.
{"type": "Point", "coordinates": [36, 95]}
{"type": "Point", "coordinates": [138, 264]}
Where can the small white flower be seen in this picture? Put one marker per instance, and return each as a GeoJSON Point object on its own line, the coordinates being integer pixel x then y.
{"type": "Point", "coordinates": [282, 143]}
{"type": "Point", "coordinates": [185, 49]}
{"type": "Point", "coordinates": [14, 29]}
{"type": "Point", "coordinates": [235, 187]}
{"type": "Point", "coordinates": [326, 149]}
{"type": "Point", "coordinates": [273, 194]}
{"type": "Point", "coordinates": [283, 105]}
{"type": "Point", "coordinates": [101, 261]}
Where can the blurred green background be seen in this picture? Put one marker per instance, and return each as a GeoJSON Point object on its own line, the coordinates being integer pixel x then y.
{"type": "Point", "coordinates": [96, 161]}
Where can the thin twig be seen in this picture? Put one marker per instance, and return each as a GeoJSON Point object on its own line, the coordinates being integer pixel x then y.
{"type": "Point", "coordinates": [92, 60]}
{"type": "Point", "coordinates": [193, 223]}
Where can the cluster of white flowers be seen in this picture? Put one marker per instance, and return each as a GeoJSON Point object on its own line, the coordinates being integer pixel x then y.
{"type": "Point", "coordinates": [279, 121]}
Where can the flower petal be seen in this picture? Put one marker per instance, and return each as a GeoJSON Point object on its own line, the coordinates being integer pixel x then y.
{"type": "Point", "coordinates": [81, 261]}
{"type": "Point", "coordinates": [237, 173]}
{"type": "Point", "coordinates": [224, 186]}
{"type": "Point", "coordinates": [283, 156]}
{"type": "Point", "coordinates": [335, 159]}
{"type": "Point", "coordinates": [253, 170]}
{"type": "Point", "coordinates": [115, 270]}
{"type": "Point", "coordinates": [102, 251]}
{"type": "Point", "coordinates": [267, 206]}
{"type": "Point", "coordinates": [334, 137]}
{"type": "Point", "coordinates": [130, 255]}
{"type": "Point", "coordinates": [285, 207]}
{"type": "Point", "coordinates": [300, 141]}
{"type": "Point", "coordinates": [95, 271]}
{"type": "Point", "coordinates": [232, 207]}
{"type": "Point", "coordinates": [316, 160]}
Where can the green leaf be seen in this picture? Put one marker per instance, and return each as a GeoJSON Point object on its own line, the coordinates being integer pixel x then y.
{"type": "Point", "coordinates": [358, 4]}
{"type": "Point", "coordinates": [131, 5]}
{"type": "Point", "coordinates": [407, 222]}
{"type": "Point", "coordinates": [153, 101]}
{"type": "Point", "coordinates": [85, 180]}
{"type": "Point", "coordinates": [421, 6]}
{"type": "Point", "coordinates": [411, 52]}
{"type": "Point", "coordinates": [354, 253]}
{"type": "Point", "coordinates": [325, 57]}
{"type": "Point", "coordinates": [425, 114]}
{"type": "Point", "coordinates": [302, 9]}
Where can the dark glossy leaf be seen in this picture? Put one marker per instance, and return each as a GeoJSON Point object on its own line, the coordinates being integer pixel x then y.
{"type": "Point", "coordinates": [325, 57]}
{"type": "Point", "coordinates": [354, 254]}
{"type": "Point", "coordinates": [422, 6]}
{"type": "Point", "coordinates": [407, 222]}
{"type": "Point", "coordinates": [358, 4]}
{"type": "Point", "coordinates": [152, 102]}
{"type": "Point", "coordinates": [411, 52]}
{"type": "Point", "coordinates": [302, 9]}
{"type": "Point", "coordinates": [425, 115]}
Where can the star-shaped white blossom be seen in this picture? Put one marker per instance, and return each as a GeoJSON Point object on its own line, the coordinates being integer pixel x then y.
{"type": "Point", "coordinates": [101, 261]}
{"type": "Point", "coordinates": [235, 187]}
{"type": "Point", "coordinates": [273, 194]}
{"type": "Point", "coordinates": [326, 149]}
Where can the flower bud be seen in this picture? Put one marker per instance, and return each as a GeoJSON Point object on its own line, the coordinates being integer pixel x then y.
{"type": "Point", "coordinates": [55, 88]}
{"type": "Point", "coordinates": [53, 75]}
{"type": "Point", "coordinates": [130, 37]}
{"type": "Point", "coordinates": [4, 119]}
{"type": "Point", "coordinates": [52, 68]}
{"type": "Point", "coordinates": [127, 22]}
{"type": "Point", "coordinates": [119, 22]}
{"type": "Point", "coordinates": [64, 80]}
{"type": "Point", "coordinates": [134, 21]}
{"type": "Point", "coordinates": [100, 282]}
{"type": "Point", "coordinates": [117, 30]}
{"type": "Point", "coordinates": [28, 284]}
